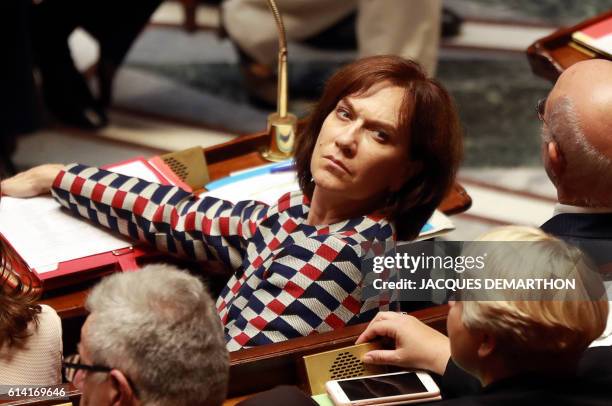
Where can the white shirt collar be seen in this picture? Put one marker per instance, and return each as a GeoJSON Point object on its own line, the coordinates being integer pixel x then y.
{"type": "Point", "coordinates": [566, 208]}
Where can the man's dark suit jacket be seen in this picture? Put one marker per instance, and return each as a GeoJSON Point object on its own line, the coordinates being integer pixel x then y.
{"type": "Point", "coordinates": [591, 232]}
{"type": "Point", "coordinates": [580, 226]}
{"type": "Point", "coordinates": [591, 385]}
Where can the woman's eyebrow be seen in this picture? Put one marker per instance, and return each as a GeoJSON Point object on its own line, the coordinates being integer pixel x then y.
{"type": "Point", "coordinates": [370, 123]}
{"type": "Point", "coordinates": [380, 125]}
{"type": "Point", "coordinates": [347, 103]}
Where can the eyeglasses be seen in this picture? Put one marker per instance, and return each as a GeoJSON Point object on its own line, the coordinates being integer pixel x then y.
{"type": "Point", "coordinates": [71, 368]}
{"type": "Point", "coordinates": [540, 109]}
{"type": "Point", "coordinates": [71, 365]}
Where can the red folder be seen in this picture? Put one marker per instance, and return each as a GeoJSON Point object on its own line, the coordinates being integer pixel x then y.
{"type": "Point", "coordinates": [597, 37]}
{"type": "Point", "coordinates": [124, 259]}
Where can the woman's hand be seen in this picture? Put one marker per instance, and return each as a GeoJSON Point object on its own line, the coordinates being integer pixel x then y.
{"type": "Point", "coordinates": [417, 346]}
{"type": "Point", "coordinates": [33, 182]}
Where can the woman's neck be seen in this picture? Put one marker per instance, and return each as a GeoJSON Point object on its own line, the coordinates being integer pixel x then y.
{"type": "Point", "coordinates": [331, 208]}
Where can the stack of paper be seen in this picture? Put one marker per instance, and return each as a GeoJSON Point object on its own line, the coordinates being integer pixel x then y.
{"type": "Point", "coordinates": [45, 235]}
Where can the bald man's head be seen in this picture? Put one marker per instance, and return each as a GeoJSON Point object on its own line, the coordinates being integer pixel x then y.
{"type": "Point", "coordinates": [577, 134]}
{"type": "Point", "coordinates": [588, 85]}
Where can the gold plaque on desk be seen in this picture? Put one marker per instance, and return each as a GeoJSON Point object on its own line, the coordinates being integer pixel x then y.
{"type": "Point", "coordinates": [339, 364]}
{"type": "Point", "coordinates": [189, 165]}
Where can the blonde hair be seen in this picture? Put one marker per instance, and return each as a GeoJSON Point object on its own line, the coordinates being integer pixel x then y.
{"type": "Point", "coordinates": [524, 327]}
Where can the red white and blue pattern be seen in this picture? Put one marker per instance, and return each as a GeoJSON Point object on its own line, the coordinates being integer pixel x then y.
{"type": "Point", "coordinates": [291, 279]}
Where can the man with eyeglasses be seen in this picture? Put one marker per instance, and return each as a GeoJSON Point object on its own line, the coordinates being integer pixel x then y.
{"type": "Point", "coordinates": [577, 153]}
{"type": "Point", "coordinates": [577, 150]}
{"type": "Point", "coordinates": [153, 337]}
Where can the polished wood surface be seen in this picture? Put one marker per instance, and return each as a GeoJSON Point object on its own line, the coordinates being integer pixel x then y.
{"type": "Point", "coordinates": [258, 369]}
{"type": "Point", "coordinates": [236, 400]}
{"type": "Point", "coordinates": [261, 368]}
{"type": "Point", "coordinates": [68, 304]}
{"type": "Point", "coordinates": [222, 159]}
{"type": "Point", "coordinates": [551, 55]}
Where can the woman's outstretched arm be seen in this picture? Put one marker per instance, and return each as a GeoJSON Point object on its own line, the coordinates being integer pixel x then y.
{"type": "Point", "coordinates": [167, 217]}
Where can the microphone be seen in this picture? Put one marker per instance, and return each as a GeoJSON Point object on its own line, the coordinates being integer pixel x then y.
{"type": "Point", "coordinates": [282, 125]}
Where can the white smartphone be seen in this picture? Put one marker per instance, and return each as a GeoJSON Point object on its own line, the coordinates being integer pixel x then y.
{"type": "Point", "coordinates": [386, 389]}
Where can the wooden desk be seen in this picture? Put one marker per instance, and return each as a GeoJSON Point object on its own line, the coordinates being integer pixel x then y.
{"type": "Point", "coordinates": [551, 55]}
{"type": "Point", "coordinates": [258, 369]}
{"type": "Point", "coordinates": [222, 159]}
{"type": "Point", "coordinates": [280, 361]}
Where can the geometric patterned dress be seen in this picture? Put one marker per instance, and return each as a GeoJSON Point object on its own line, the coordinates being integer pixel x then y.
{"type": "Point", "coordinates": [290, 279]}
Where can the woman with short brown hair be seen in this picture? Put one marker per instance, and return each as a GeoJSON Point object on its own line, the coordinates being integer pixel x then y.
{"type": "Point", "coordinates": [376, 157]}
{"type": "Point", "coordinates": [427, 117]}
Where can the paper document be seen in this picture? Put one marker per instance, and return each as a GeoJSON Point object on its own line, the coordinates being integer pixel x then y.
{"type": "Point", "coordinates": [267, 188]}
{"type": "Point", "coordinates": [44, 235]}
{"type": "Point", "coordinates": [136, 168]}
{"type": "Point", "coordinates": [283, 166]}
{"type": "Point", "coordinates": [597, 36]}
{"type": "Point", "coordinates": [437, 224]}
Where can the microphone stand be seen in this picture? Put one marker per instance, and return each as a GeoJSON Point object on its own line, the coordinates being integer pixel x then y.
{"type": "Point", "coordinates": [282, 125]}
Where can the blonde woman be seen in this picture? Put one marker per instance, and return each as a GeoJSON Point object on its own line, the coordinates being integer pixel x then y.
{"type": "Point", "coordinates": [520, 351]}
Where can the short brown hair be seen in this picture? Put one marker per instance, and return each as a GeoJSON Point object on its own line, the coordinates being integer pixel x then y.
{"type": "Point", "coordinates": [428, 116]}
{"type": "Point", "coordinates": [18, 296]}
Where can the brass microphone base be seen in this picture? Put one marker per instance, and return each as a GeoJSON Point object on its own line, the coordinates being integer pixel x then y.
{"type": "Point", "coordinates": [272, 157]}
{"type": "Point", "coordinates": [282, 137]}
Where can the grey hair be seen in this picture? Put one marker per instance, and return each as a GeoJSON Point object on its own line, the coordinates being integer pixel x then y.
{"type": "Point", "coordinates": [159, 326]}
{"type": "Point", "coordinates": [586, 165]}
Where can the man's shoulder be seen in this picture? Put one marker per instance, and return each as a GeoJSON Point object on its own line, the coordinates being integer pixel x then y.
{"type": "Point", "coordinates": [580, 225]}
{"type": "Point", "coordinates": [596, 365]}
{"type": "Point", "coordinates": [577, 393]}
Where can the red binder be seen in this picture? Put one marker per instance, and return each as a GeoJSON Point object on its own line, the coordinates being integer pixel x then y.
{"type": "Point", "coordinates": [124, 259]}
